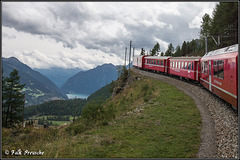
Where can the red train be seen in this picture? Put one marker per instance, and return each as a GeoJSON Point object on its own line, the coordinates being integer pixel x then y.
{"type": "Point", "coordinates": [217, 70]}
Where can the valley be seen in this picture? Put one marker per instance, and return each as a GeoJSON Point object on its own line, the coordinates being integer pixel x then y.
{"type": "Point", "coordinates": [43, 85]}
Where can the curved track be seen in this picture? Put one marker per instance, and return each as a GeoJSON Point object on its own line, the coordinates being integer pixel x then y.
{"type": "Point", "coordinates": [219, 135]}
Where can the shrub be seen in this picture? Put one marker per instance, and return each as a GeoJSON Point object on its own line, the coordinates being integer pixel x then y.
{"type": "Point", "coordinates": [92, 114]}
{"type": "Point", "coordinates": [92, 111]}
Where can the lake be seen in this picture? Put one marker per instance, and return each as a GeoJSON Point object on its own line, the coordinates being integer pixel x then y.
{"type": "Point", "coordinates": [73, 96]}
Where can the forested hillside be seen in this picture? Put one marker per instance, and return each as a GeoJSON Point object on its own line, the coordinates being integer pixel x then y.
{"type": "Point", "coordinates": [68, 107]}
{"type": "Point", "coordinates": [223, 25]}
{"type": "Point", "coordinates": [56, 107]}
{"type": "Point", "coordinates": [38, 88]}
{"type": "Point", "coordinates": [87, 82]}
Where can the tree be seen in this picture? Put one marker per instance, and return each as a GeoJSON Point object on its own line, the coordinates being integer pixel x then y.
{"type": "Point", "coordinates": [223, 24]}
{"type": "Point", "coordinates": [170, 50]}
{"type": "Point", "coordinates": [184, 48]}
{"type": "Point", "coordinates": [178, 52]}
{"type": "Point", "coordinates": [156, 49]}
{"type": "Point", "coordinates": [206, 26]}
{"type": "Point", "coordinates": [12, 100]}
{"type": "Point", "coordinates": [142, 52]}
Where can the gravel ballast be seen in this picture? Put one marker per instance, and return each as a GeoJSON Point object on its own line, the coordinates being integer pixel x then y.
{"type": "Point", "coordinates": [219, 136]}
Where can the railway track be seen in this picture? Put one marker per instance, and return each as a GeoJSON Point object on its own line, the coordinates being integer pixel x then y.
{"type": "Point", "coordinates": [219, 121]}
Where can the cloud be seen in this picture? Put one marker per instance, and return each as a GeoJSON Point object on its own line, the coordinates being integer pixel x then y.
{"type": "Point", "coordinates": [204, 8]}
{"type": "Point", "coordinates": [60, 29]}
{"type": "Point", "coordinates": [8, 36]}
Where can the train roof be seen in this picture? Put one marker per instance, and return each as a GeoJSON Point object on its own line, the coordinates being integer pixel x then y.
{"type": "Point", "coordinates": [229, 49]}
{"type": "Point", "coordinates": [186, 58]}
{"type": "Point", "coordinates": [137, 56]}
{"type": "Point", "coordinates": [157, 57]}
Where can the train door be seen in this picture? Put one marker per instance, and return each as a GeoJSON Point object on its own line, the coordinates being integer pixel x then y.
{"type": "Point", "coordinates": [229, 66]}
{"type": "Point", "coordinates": [165, 66]}
{"type": "Point", "coordinates": [210, 78]}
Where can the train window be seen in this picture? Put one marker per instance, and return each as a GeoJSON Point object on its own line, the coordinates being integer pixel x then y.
{"type": "Point", "coordinates": [173, 64]}
{"type": "Point", "coordinates": [192, 65]}
{"type": "Point", "coordinates": [218, 69]}
{"type": "Point", "coordinates": [215, 69]}
{"type": "Point", "coordinates": [158, 62]}
{"type": "Point", "coordinates": [189, 65]}
{"type": "Point", "coordinates": [221, 69]}
{"type": "Point", "coordinates": [182, 65]}
{"type": "Point", "coordinates": [176, 64]}
{"type": "Point", "coordinates": [179, 64]}
{"type": "Point", "coordinates": [161, 62]}
{"type": "Point", "coordinates": [185, 65]}
{"type": "Point", "coordinates": [206, 67]}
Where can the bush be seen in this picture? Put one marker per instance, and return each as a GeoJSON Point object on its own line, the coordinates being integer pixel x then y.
{"type": "Point", "coordinates": [92, 114]}
{"type": "Point", "coordinates": [76, 128]}
{"type": "Point", "coordinates": [122, 73]}
{"type": "Point", "coordinates": [92, 111]}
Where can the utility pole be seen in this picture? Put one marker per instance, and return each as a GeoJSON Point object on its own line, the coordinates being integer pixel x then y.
{"type": "Point", "coordinates": [129, 58]}
{"type": "Point", "coordinates": [206, 44]}
{"type": "Point", "coordinates": [125, 56]}
{"type": "Point", "coordinates": [133, 51]}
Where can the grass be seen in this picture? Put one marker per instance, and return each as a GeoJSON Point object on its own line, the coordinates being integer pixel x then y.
{"type": "Point", "coordinates": [151, 120]}
{"type": "Point", "coordinates": [58, 123]}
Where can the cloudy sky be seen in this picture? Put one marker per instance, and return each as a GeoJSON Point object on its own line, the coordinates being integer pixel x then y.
{"type": "Point", "coordinates": [87, 34]}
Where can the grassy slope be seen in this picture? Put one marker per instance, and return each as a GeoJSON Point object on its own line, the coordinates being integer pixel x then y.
{"type": "Point", "coordinates": [152, 119]}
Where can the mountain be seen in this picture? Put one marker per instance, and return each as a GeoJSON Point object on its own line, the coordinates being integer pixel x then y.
{"type": "Point", "coordinates": [38, 88]}
{"type": "Point", "coordinates": [87, 82]}
{"type": "Point", "coordinates": [58, 75]}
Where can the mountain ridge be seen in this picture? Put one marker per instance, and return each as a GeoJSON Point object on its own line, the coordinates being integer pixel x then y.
{"type": "Point", "coordinates": [87, 82]}
{"type": "Point", "coordinates": [38, 88]}
{"type": "Point", "coordinates": [58, 75]}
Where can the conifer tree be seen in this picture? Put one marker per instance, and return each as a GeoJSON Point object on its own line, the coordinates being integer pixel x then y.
{"type": "Point", "coordinates": [170, 50]}
{"type": "Point", "coordinates": [12, 100]}
{"type": "Point", "coordinates": [156, 49]}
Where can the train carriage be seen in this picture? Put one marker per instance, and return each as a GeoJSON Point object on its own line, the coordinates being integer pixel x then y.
{"type": "Point", "coordinates": [219, 73]}
{"type": "Point", "coordinates": [187, 67]}
{"type": "Point", "coordinates": [138, 61]}
{"type": "Point", "coordinates": [156, 63]}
